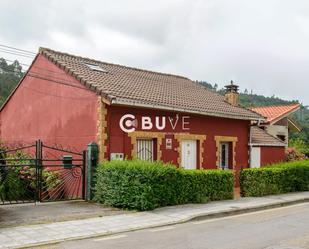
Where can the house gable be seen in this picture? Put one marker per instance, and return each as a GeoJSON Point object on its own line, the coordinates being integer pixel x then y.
{"type": "Point", "coordinates": [49, 104]}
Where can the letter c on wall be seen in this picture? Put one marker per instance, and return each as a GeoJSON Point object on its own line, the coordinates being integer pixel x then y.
{"type": "Point", "coordinates": [126, 123]}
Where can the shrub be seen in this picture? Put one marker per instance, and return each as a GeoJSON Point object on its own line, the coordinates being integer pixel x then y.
{"type": "Point", "coordinates": [293, 154]}
{"type": "Point", "coordinates": [147, 185]}
{"type": "Point", "coordinates": [300, 145]}
{"type": "Point", "coordinates": [275, 179]}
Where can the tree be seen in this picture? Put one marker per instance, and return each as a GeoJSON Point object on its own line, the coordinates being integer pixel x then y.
{"type": "Point", "coordinates": [10, 75]}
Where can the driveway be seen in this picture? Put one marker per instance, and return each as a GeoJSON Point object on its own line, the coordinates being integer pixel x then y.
{"type": "Point", "coordinates": [27, 214]}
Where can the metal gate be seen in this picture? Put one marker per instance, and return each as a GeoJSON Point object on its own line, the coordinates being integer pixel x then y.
{"type": "Point", "coordinates": [41, 173]}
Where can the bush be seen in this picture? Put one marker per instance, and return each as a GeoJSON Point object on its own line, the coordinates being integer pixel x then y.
{"type": "Point", "coordinates": [291, 154]}
{"type": "Point", "coordinates": [300, 145]}
{"type": "Point", "coordinates": [147, 185]}
{"type": "Point", "coordinates": [17, 182]}
{"type": "Point", "coordinates": [275, 179]}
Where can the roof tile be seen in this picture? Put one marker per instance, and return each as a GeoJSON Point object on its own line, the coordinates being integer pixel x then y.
{"type": "Point", "coordinates": [274, 113]}
{"type": "Point", "coordinates": [261, 137]}
{"type": "Point", "coordinates": [165, 91]}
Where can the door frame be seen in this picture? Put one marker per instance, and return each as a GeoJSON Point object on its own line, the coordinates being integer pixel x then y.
{"type": "Point", "coordinates": [200, 149]}
{"type": "Point", "coordinates": [195, 142]}
{"type": "Point", "coordinates": [232, 140]}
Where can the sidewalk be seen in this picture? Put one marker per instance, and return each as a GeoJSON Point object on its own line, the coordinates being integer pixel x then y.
{"type": "Point", "coordinates": [22, 236]}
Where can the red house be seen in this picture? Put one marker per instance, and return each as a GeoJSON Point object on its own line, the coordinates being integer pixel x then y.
{"type": "Point", "coordinates": [129, 112]}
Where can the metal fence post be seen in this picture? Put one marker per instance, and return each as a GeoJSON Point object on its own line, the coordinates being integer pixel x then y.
{"type": "Point", "coordinates": [92, 162]}
{"type": "Point", "coordinates": [84, 174]}
{"type": "Point", "coordinates": [38, 169]}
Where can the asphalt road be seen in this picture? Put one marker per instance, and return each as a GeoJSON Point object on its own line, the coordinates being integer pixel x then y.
{"type": "Point", "coordinates": [280, 228]}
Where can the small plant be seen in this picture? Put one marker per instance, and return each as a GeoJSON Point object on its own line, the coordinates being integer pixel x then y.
{"type": "Point", "coordinates": [51, 179]}
{"type": "Point", "coordinates": [300, 145]}
{"type": "Point", "coordinates": [293, 154]}
{"type": "Point", "coordinates": [51, 185]}
{"type": "Point", "coordinates": [17, 178]}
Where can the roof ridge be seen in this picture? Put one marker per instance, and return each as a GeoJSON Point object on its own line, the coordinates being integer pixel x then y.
{"type": "Point", "coordinates": [42, 49]}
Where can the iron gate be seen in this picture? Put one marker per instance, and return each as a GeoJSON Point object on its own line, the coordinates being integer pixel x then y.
{"type": "Point", "coordinates": [41, 173]}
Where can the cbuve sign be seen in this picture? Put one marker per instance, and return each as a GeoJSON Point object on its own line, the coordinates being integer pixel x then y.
{"type": "Point", "coordinates": [129, 123]}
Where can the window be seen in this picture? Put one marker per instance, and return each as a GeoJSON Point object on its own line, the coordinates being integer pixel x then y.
{"type": "Point", "coordinates": [281, 137]}
{"type": "Point", "coordinates": [224, 155]}
{"type": "Point", "coordinates": [145, 149]}
{"type": "Point", "coordinates": [96, 68]}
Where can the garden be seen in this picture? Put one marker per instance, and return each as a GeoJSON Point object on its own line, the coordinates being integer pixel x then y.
{"type": "Point", "coordinates": [19, 181]}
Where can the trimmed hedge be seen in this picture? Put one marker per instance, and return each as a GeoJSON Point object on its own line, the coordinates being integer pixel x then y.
{"type": "Point", "coordinates": [275, 179]}
{"type": "Point", "coordinates": [145, 185]}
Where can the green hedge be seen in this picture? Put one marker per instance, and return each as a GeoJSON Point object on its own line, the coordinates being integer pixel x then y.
{"type": "Point", "coordinates": [275, 179]}
{"type": "Point", "coordinates": [144, 185]}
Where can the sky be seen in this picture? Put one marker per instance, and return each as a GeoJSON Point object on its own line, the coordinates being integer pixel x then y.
{"type": "Point", "coordinates": [262, 45]}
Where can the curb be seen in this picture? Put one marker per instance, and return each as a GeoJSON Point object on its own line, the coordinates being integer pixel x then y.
{"type": "Point", "coordinates": [196, 217]}
{"type": "Point", "coordinates": [237, 211]}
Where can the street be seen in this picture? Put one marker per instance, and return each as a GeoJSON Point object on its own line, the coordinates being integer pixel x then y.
{"type": "Point", "coordinates": [280, 228]}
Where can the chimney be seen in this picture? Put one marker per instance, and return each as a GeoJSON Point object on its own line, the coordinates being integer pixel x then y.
{"type": "Point", "coordinates": [231, 94]}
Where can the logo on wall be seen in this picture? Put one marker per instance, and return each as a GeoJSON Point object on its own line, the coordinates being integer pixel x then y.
{"type": "Point", "coordinates": [129, 123]}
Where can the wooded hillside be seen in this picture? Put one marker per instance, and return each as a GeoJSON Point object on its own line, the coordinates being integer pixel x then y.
{"type": "Point", "coordinates": [249, 99]}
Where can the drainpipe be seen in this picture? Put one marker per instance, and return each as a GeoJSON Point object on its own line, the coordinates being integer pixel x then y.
{"type": "Point", "coordinates": [250, 145]}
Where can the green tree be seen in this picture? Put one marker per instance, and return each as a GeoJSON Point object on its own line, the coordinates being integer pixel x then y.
{"type": "Point", "coordinates": [10, 75]}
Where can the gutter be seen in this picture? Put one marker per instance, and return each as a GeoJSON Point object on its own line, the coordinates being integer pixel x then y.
{"type": "Point", "coordinates": [250, 144]}
{"type": "Point", "coordinates": [126, 102]}
{"type": "Point", "coordinates": [268, 145]}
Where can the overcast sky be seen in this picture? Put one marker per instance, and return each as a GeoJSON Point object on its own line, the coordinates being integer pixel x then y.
{"type": "Point", "coordinates": [261, 45]}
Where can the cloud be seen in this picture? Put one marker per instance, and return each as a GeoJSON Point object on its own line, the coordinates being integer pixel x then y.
{"type": "Point", "coordinates": [262, 45]}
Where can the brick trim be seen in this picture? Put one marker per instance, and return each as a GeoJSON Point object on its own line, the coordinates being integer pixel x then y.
{"type": "Point", "coordinates": [146, 134]}
{"type": "Point", "coordinates": [102, 129]}
{"type": "Point", "coordinates": [219, 139]}
{"type": "Point", "coordinates": [183, 136]}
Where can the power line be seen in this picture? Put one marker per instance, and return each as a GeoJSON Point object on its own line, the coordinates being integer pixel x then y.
{"type": "Point", "coordinates": [47, 78]}
{"type": "Point", "coordinates": [41, 68]}
{"type": "Point", "coordinates": [16, 53]}
{"type": "Point", "coordinates": [11, 70]}
{"type": "Point", "coordinates": [56, 81]}
{"type": "Point", "coordinates": [27, 65]}
{"type": "Point", "coordinates": [37, 74]}
{"type": "Point", "coordinates": [57, 96]}
{"type": "Point", "coordinates": [18, 49]}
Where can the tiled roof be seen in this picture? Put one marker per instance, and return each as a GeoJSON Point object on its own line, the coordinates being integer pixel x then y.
{"type": "Point", "coordinates": [275, 113]}
{"type": "Point", "coordinates": [131, 86]}
{"type": "Point", "coordinates": [261, 137]}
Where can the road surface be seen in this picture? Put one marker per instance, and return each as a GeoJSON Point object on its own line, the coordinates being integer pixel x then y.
{"type": "Point", "coordinates": [280, 228]}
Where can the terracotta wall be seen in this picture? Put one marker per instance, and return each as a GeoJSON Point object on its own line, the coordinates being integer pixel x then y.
{"type": "Point", "coordinates": [53, 112]}
{"type": "Point", "coordinates": [119, 141]}
{"type": "Point", "coordinates": [271, 155]}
